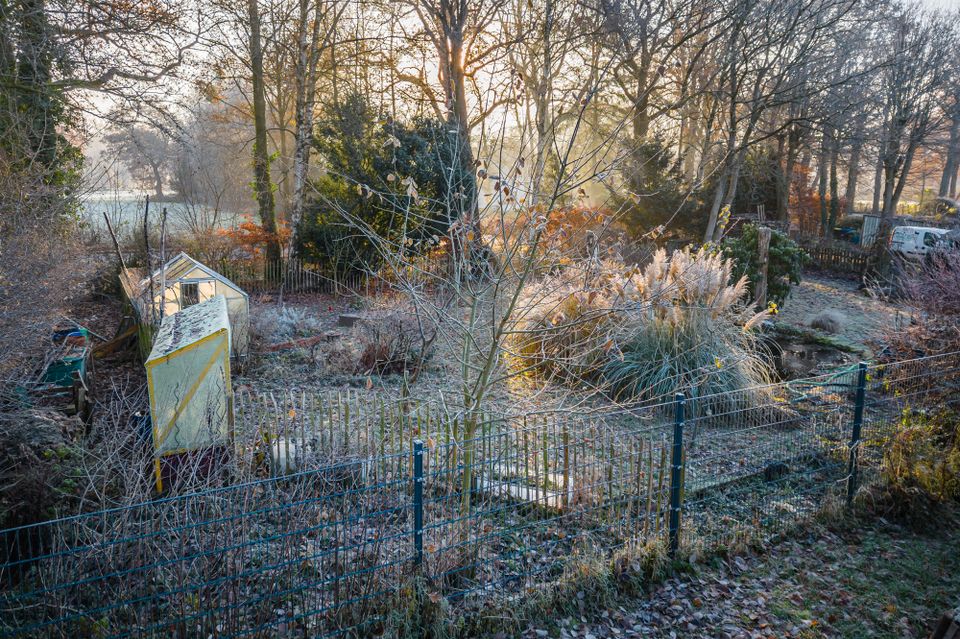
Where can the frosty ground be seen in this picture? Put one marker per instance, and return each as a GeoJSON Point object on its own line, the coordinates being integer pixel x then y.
{"type": "Point", "coordinates": [882, 580]}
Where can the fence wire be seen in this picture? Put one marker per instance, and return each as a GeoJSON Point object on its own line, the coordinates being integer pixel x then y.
{"type": "Point", "coordinates": [476, 507]}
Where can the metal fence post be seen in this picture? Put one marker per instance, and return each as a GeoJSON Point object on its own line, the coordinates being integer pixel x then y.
{"type": "Point", "coordinates": [857, 427]}
{"type": "Point", "coordinates": [676, 469]}
{"type": "Point", "coordinates": [418, 501]}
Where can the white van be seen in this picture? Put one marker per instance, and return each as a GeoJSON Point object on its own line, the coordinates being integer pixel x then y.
{"type": "Point", "coordinates": [915, 241]}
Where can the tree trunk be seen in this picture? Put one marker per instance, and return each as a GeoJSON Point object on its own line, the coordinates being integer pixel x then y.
{"type": "Point", "coordinates": [713, 226]}
{"type": "Point", "coordinates": [878, 182]}
{"type": "Point", "coordinates": [877, 186]}
{"type": "Point", "coordinates": [834, 188]}
{"type": "Point", "coordinates": [543, 99]}
{"type": "Point", "coordinates": [731, 193]}
{"type": "Point", "coordinates": [793, 147]}
{"type": "Point", "coordinates": [724, 196]}
{"type": "Point", "coordinates": [261, 154]}
{"type": "Point", "coordinates": [463, 205]}
{"type": "Point", "coordinates": [890, 165]}
{"type": "Point", "coordinates": [306, 83]}
{"type": "Point", "coordinates": [953, 158]}
{"type": "Point", "coordinates": [853, 172]}
{"type": "Point", "coordinates": [641, 106]}
{"type": "Point", "coordinates": [905, 171]}
{"type": "Point", "coordinates": [157, 181]}
{"type": "Point", "coordinates": [718, 196]}
{"type": "Point", "coordinates": [822, 171]}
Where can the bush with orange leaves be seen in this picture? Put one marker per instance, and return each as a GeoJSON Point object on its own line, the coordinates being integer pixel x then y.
{"type": "Point", "coordinates": [567, 234]}
{"type": "Point", "coordinates": [253, 239]}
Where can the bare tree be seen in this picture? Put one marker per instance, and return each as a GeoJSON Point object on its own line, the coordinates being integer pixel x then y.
{"type": "Point", "coordinates": [913, 82]}
{"type": "Point", "coordinates": [316, 32]}
{"type": "Point", "coordinates": [767, 53]}
{"type": "Point", "coordinates": [460, 32]}
{"type": "Point", "coordinates": [146, 152]}
{"type": "Point", "coordinates": [263, 185]}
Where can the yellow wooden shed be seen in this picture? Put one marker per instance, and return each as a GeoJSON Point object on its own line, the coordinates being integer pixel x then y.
{"type": "Point", "coordinates": [188, 379]}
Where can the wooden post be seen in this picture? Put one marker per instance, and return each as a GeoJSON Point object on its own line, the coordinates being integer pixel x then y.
{"type": "Point", "coordinates": [763, 258]}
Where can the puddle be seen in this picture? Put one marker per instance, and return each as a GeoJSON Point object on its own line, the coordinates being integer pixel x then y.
{"type": "Point", "coordinates": [795, 358]}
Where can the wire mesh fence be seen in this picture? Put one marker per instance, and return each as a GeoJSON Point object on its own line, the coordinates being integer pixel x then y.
{"type": "Point", "coordinates": [477, 506]}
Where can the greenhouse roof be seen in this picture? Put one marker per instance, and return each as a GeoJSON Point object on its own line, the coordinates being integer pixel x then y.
{"type": "Point", "coordinates": [180, 265]}
{"type": "Point", "coordinates": [190, 326]}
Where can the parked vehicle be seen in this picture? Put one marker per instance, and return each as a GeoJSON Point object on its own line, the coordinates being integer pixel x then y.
{"type": "Point", "coordinates": [914, 242]}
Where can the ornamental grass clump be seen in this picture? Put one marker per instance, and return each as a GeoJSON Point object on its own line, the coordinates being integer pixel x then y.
{"type": "Point", "coordinates": [563, 322]}
{"type": "Point", "coordinates": [690, 331]}
{"type": "Point", "coordinates": [677, 325]}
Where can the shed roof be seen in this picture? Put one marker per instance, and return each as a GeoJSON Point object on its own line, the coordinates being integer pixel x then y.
{"type": "Point", "coordinates": [181, 264]}
{"type": "Point", "coordinates": [189, 326]}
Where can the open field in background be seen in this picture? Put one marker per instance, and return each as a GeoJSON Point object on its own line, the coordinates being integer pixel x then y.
{"type": "Point", "coordinates": [125, 210]}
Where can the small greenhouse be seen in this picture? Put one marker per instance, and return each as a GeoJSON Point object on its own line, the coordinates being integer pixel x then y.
{"type": "Point", "coordinates": [188, 378]}
{"type": "Point", "coordinates": [183, 282]}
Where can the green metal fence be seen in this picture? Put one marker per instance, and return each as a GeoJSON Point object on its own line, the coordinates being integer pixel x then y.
{"type": "Point", "coordinates": [328, 549]}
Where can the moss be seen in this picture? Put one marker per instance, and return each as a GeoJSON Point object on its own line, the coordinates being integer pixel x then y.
{"type": "Point", "coordinates": [812, 336]}
{"type": "Point", "coordinates": [842, 590]}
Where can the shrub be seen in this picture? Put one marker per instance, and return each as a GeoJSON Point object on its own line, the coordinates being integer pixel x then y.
{"type": "Point", "coordinates": [394, 343]}
{"type": "Point", "coordinates": [829, 321]}
{"type": "Point", "coordinates": [283, 323]}
{"type": "Point", "coordinates": [385, 178]}
{"type": "Point", "coordinates": [253, 239]}
{"type": "Point", "coordinates": [784, 267]}
{"type": "Point", "coordinates": [658, 195]}
{"type": "Point", "coordinates": [933, 291]}
{"type": "Point", "coordinates": [924, 453]}
{"type": "Point", "coordinates": [563, 324]}
{"type": "Point", "coordinates": [676, 325]}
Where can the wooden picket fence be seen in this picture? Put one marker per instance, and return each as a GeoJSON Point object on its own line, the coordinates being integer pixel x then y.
{"type": "Point", "coordinates": [554, 460]}
{"type": "Point", "coordinates": [295, 276]}
{"type": "Point", "coordinates": [843, 259]}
